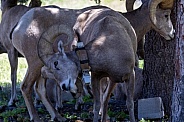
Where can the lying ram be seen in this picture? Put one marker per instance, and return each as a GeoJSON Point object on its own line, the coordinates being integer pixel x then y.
{"type": "Point", "coordinates": [11, 13]}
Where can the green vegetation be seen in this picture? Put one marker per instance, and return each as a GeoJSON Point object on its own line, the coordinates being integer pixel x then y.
{"type": "Point", "coordinates": [69, 116]}
{"type": "Point", "coordinates": [5, 70]}
{"type": "Point", "coordinates": [141, 64]}
{"type": "Point", "coordinates": [12, 114]}
{"type": "Point", "coordinates": [87, 98]}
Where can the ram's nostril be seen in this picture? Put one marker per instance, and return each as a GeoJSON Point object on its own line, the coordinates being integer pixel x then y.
{"type": "Point", "coordinates": [64, 87]}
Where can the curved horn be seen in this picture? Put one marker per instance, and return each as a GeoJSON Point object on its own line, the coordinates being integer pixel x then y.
{"type": "Point", "coordinates": [152, 8]}
{"type": "Point", "coordinates": [50, 37]}
{"type": "Point", "coordinates": [153, 4]}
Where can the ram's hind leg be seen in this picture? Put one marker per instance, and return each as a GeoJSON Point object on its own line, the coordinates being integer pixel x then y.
{"type": "Point", "coordinates": [105, 99]}
{"type": "Point", "coordinates": [130, 95]}
{"type": "Point", "coordinates": [13, 59]}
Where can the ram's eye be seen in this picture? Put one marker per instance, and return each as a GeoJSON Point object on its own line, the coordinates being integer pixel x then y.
{"type": "Point", "coordinates": [55, 65]}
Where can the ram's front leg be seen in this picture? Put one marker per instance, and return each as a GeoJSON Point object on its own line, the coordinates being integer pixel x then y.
{"type": "Point", "coordinates": [41, 90]}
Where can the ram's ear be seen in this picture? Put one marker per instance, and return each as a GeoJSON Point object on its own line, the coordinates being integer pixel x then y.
{"type": "Point", "coordinates": [46, 73]}
{"type": "Point", "coordinates": [61, 48]}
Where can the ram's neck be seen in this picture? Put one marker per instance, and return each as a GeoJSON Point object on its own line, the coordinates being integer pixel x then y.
{"type": "Point", "coordinates": [140, 21]}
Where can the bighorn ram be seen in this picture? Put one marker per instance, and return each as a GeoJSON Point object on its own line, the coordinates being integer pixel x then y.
{"type": "Point", "coordinates": [11, 13]}
{"type": "Point", "coordinates": [60, 66]}
{"type": "Point", "coordinates": [30, 29]}
{"type": "Point", "coordinates": [150, 14]}
{"type": "Point", "coordinates": [110, 42]}
{"type": "Point", "coordinates": [153, 14]}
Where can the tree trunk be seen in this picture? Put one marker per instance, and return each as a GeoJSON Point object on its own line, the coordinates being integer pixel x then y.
{"type": "Point", "coordinates": [158, 72]}
{"type": "Point", "coordinates": [178, 91]}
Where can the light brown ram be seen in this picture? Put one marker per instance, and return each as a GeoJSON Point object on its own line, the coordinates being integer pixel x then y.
{"type": "Point", "coordinates": [25, 36]}
{"type": "Point", "coordinates": [110, 42]}
{"type": "Point", "coordinates": [11, 13]}
{"type": "Point", "coordinates": [150, 15]}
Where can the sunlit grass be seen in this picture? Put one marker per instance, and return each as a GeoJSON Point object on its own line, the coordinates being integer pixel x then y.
{"type": "Point", "coordinates": [5, 69]}
{"type": "Point", "coordinates": [78, 4]}
{"type": "Point", "coordinates": [141, 64]}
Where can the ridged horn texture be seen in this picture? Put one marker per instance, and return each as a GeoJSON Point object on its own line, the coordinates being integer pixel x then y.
{"type": "Point", "coordinates": [164, 4]}
{"type": "Point", "coordinates": [48, 38]}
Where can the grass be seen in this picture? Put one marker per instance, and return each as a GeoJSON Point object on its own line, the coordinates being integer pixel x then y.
{"type": "Point", "coordinates": [5, 69]}
{"type": "Point", "coordinates": [77, 4]}
{"type": "Point", "coordinates": [141, 64]}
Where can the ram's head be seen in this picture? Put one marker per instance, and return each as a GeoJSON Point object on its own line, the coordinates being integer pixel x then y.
{"type": "Point", "coordinates": [58, 65]}
{"type": "Point", "coordinates": [160, 11]}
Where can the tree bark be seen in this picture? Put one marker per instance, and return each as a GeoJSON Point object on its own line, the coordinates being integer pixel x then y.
{"type": "Point", "coordinates": [158, 72]}
{"type": "Point", "coordinates": [178, 91]}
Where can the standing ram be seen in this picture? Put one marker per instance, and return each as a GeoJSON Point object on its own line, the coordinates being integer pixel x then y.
{"type": "Point", "coordinates": [11, 13]}
{"type": "Point", "coordinates": [153, 14]}
{"type": "Point", "coordinates": [30, 29]}
{"type": "Point", "coordinates": [110, 42]}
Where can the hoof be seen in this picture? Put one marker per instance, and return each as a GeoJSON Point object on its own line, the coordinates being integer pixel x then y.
{"type": "Point", "coordinates": [39, 106]}
{"type": "Point", "coordinates": [12, 103]}
{"type": "Point", "coordinates": [59, 119]}
{"type": "Point", "coordinates": [11, 107]}
{"type": "Point", "coordinates": [59, 109]}
{"type": "Point", "coordinates": [3, 108]}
